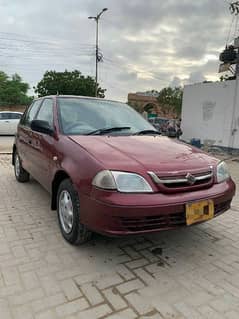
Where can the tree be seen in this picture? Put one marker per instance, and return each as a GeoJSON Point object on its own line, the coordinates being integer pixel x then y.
{"type": "Point", "coordinates": [170, 99]}
{"type": "Point", "coordinates": [67, 83]}
{"type": "Point", "coordinates": [13, 90]}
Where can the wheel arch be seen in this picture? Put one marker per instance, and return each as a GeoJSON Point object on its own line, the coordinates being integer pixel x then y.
{"type": "Point", "coordinates": [58, 178]}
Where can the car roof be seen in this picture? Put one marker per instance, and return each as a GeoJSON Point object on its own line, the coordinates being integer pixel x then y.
{"type": "Point", "coordinates": [77, 97]}
{"type": "Point", "coordinates": [11, 112]}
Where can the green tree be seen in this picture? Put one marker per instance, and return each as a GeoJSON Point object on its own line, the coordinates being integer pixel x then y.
{"type": "Point", "coordinates": [171, 99]}
{"type": "Point", "coordinates": [67, 83]}
{"type": "Point", "coordinates": [13, 90]}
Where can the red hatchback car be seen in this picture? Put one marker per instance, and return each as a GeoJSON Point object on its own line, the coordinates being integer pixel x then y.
{"type": "Point", "coordinates": [109, 171]}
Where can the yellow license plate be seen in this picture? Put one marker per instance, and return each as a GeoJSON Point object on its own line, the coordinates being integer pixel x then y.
{"type": "Point", "coordinates": [199, 211]}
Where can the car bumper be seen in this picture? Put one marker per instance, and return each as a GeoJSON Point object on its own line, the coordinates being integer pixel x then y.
{"type": "Point", "coordinates": [116, 214]}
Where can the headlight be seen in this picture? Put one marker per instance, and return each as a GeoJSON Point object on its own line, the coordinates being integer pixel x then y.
{"type": "Point", "coordinates": [222, 172]}
{"type": "Point", "coordinates": [122, 181]}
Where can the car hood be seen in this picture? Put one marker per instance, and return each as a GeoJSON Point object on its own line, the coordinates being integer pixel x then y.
{"type": "Point", "coordinates": [153, 153]}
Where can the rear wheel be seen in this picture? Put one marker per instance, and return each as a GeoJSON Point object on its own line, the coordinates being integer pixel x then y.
{"type": "Point", "coordinates": [21, 174]}
{"type": "Point", "coordinates": [68, 210]}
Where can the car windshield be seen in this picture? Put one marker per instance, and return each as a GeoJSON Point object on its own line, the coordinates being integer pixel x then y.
{"type": "Point", "coordinates": [79, 116]}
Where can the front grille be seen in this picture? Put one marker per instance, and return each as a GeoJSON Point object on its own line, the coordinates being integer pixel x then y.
{"type": "Point", "coordinates": [160, 222]}
{"type": "Point", "coordinates": [183, 183]}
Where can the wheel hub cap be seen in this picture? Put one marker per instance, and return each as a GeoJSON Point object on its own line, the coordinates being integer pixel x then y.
{"type": "Point", "coordinates": [17, 165]}
{"type": "Point", "coordinates": [66, 211]}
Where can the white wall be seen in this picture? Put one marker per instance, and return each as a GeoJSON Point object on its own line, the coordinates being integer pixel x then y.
{"type": "Point", "coordinates": [207, 113]}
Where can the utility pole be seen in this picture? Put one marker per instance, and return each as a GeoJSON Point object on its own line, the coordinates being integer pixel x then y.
{"type": "Point", "coordinates": [98, 57]}
{"type": "Point", "coordinates": [230, 57]}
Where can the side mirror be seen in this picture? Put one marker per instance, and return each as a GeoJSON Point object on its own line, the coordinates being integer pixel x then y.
{"type": "Point", "coordinates": [41, 127]}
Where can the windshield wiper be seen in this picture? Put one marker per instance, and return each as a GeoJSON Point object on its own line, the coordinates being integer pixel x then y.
{"type": "Point", "coordinates": [147, 132]}
{"type": "Point", "coordinates": [109, 130]}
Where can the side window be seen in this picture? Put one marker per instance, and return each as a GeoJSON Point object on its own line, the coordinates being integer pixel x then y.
{"type": "Point", "coordinates": [46, 112]}
{"type": "Point", "coordinates": [18, 116]}
{"type": "Point", "coordinates": [15, 116]}
{"type": "Point", "coordinates": [31, 113]}
{"type": "Point", "coordinates": [5, 116]}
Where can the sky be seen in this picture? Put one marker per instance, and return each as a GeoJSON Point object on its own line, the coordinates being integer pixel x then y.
{"type": "Point", "coordinates": [146, 45]}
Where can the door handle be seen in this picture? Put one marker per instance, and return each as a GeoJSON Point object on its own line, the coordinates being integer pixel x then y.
{"type": "Point", "coordinates": [6, 121]}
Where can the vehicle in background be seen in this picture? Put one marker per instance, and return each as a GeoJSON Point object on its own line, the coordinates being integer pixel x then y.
{"type": "Point", "coordinates": [160, 123]}
{"type": "Point", "coordinates": [8, 122]}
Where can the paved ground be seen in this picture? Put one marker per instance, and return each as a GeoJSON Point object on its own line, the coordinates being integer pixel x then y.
{"type": "Point", "coordinates": [6, 144]}
{"type": "Point", "coordinates": [192, 273]}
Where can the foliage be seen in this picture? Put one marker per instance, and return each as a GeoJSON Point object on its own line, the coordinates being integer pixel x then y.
{"type": "Point", "coordinates": [171, 99]}
{"type": "Point", "coordinates": [67, 83]}
{"type": "Point", "coordinates": [13, 90]}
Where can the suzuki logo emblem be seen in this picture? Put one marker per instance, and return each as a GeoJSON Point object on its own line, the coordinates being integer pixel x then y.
{"type": "Point", "coordinates": [191, 179]}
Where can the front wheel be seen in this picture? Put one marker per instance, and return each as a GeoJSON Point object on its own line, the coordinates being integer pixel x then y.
{"type": "Point", "coordinates": [21, 174]}
{"type": "Point", "coordinates": [68, 211]}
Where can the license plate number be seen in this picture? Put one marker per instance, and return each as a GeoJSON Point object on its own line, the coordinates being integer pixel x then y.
{"type": "Point", "coordinates": [199, 211]}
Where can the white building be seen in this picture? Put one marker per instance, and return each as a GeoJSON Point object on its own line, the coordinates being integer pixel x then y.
{"type": "Point", "coordinates": [210, 112]}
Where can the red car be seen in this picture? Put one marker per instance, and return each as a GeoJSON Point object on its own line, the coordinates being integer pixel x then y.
{"type": "Point", "coordinates": [109, 171]}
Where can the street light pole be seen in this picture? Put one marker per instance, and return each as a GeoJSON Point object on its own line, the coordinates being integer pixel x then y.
{"type": "Point", "coordinates": [96, 18]}
{"type": "Point", "coordinates": [234, 8]}
{"type": "Point", "coordinates": [96, 56]}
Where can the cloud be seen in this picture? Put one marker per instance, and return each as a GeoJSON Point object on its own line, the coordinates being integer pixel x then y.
{"type": "Point", "coordinates": [176, 82]}
{"type": "Point", "coordinates": [146, 45]}
{"type": "Point", "coordinates": [195, 77]}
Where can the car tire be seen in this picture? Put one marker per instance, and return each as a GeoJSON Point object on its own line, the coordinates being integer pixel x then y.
{"type": "Point", "coordinates": [68, 211]}
{"type": "Point", "coordinates": [21, 174]}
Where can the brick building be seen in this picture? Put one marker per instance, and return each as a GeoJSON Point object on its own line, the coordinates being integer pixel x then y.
{"type": "Point", "coordinates": [142, 102]}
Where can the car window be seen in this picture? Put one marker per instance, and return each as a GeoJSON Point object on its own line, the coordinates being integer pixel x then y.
{"type": "Point", "coordinates": [46, 112]}
{"type": "Point", "coordinates": [15, 116]}
{"type": "Point", "coordinates": [5, 116]}
{"type": "Point", "coordinates": [31, 113]}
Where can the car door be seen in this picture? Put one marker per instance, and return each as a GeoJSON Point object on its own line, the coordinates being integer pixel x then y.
{"type": "Point", "coordinates": [2, 123]}
{"type": "Point", "coordinates": [15, 118]}
{"type": "Point", "coordinates": [43, 146]}
{"type": "Point", "coordinates": [24, 135]}
{"type": "Point", "coordinates": [11, 124]}
{"type": "Point", "coordinates": [5, 128]}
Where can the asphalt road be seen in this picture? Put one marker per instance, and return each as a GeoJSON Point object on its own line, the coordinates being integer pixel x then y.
{"type": "Point", "coordinates": [6, 144]}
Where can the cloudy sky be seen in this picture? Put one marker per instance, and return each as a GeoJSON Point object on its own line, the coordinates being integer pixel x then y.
{"type": "Point", "coordinates": [146, 44]}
